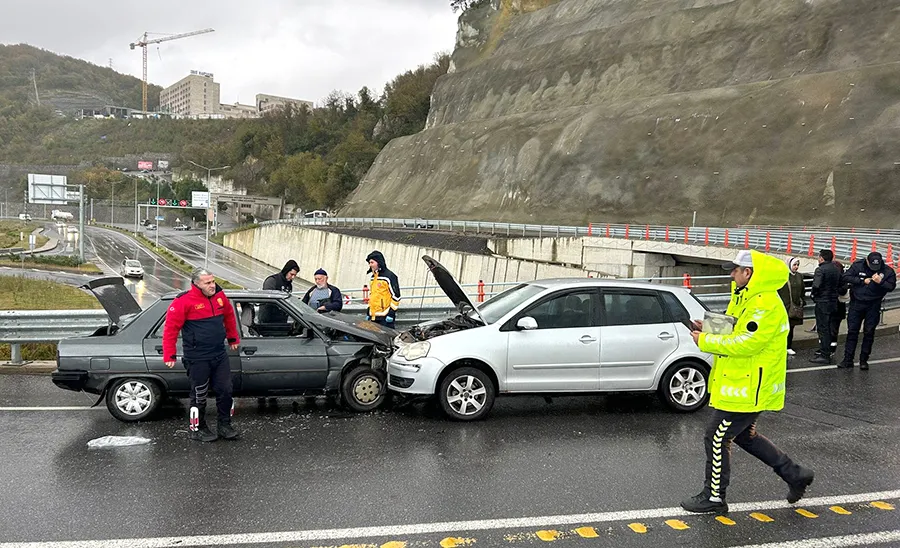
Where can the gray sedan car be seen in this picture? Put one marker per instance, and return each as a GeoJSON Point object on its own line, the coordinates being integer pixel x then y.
{"type": "Point", "coordinates": [307, 354]}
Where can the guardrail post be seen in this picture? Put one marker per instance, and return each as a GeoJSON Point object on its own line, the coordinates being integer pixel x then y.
{"type": "Point", "coordinates": [789, 243]}
{"type": "Point", "coordinates": [686, 280]}
{"type": "Point", "coordinates": [834, 246]}
{"type": "Point", "coordinates": [726, 237]}
{"type": "Point", "coordinates": [626, 231]}
{"type": "Point", "coordinates": [481, 291]}
{"type": "Point", "coordinates": [768, 241]}
{"type": "Point", "coordinates": [853, 251]}
{"type": "Point", "coordinates": [812, 244]}
{"type": "Point", "coordinates": [15, 354]}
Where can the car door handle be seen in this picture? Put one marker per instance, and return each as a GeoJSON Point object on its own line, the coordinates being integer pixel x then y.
{"type": "Point", "coordinates": [666, 336]}
{"type": "Point", "coordinates": [159, 350]}
{"type": "Point", "coordinates": [586, 339]}
{"type": "Point", "coordinates": [249, 350]}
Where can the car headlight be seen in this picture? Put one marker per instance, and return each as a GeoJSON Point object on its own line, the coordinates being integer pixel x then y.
{"type": "Point", "coordinates": [415, 350]}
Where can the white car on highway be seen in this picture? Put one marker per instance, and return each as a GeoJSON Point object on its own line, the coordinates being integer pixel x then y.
{"type": "Point", "coordinates": [559, 336]}
{"type": "Point", "coordinates": [132, 268]}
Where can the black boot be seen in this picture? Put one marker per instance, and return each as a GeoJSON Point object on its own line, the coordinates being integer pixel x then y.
{"type": "Point", "coordinates": [701, 504]}
{"type": "Point", "coordinates": [863, 365]}
{"type": "Point", "coordinates": [202, 434]}
{"type": "Point", "coordinates": [226, 431]}
{"type": "Point", "coordinates": [845, 365]}
{"type": "Point", "coordinates": [798, 489]}
{"type": "Point", "coordinates": [821, 359]}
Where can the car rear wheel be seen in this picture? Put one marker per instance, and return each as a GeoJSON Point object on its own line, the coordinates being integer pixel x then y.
{"type": "Point", "coordinates": [466, 394]}
{"type": "Point", "coordinates": [133, 399]}
{"type": "Point", "coordinates": [684, 387]}
{"type": "Point", "coordinates": [363, 389]}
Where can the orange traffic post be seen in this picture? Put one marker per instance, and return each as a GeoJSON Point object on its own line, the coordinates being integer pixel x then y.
{"type": "Point", "coordinates": [890, 255]}
{"type": "Point", "coordinates": [874, 246]}
{"type": "Point", "coordinates": [626, 232]}
{"type": "Point", "coordinates": [812, 244]}
{"type": "Point", "coordinates": [789, 243]}
{"type": "Point", "coordinates": [590, 229]}
{"type": "Point", "coordinates": [726, 237]}
{"type": "Point", "coordinates": [685, 234]}
{"type": "Point", "coordinates": [746, 239]}
{"type": "Point", "coordinates": [667, 233]}
{"type": "Point", "coordinates": [686, 281]}
{"type": "Point", "coordinates": [768, 241]}
{"type": "Point", "coordinates": [853, 251]}
{"type": "Point", "coordinates": [834, 246]}
{"type": "Point", "coordinates": [706, 237]}
{"type": "Point", "coordinates": [481, 291]}
{"type": "Point", "coordinates": [366, 294]}
{"type": "Point", "coordinates": [647, 232]}
{"type": "Point", "coordinates": [607, 230]}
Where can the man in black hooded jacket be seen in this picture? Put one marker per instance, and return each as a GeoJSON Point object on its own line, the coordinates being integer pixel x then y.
{"type": "Point", "coordinates": [280, 281]}
{"type": "Point", "coordinates": [870, 280]}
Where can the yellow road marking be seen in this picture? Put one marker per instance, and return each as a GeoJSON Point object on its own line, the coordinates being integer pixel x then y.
{"type": "Point", "coordinates": [394, 544]}
{"type": "Point", "coordinates": [358, 546]}
{"type": "Point", "coordinates": [547, 535]}
{"type": "Point", "coordinates": [806, 513]}
{"type": "Point", "coordinates": [724, 521]}
{"type": "Point", "coordinates": [882, 505]}
{"type": "Point", "coordinates": [587, 532]}
{"type": "Point", "coordinates": [638, 527]}
{"type": "Point", "coordinates": [761, 517]}
{"type": "Point", "coordinates": [840, 510]}
{"type": "Point", "coordinates": [677, 524]}
{"type": "Point", "coordinates": [453, 542]}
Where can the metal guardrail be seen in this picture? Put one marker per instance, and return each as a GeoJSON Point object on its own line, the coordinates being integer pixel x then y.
{"type": "Point", "coordinates": [49, 326]}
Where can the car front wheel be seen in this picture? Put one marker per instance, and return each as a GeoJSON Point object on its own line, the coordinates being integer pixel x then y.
{"type": "Point", "coordinates": [132, 399]}
{"type": "Point", "coordinates": [684, 387]}
{"type": "Point", "coordinates": [363, 389]}
{"type": "Point", "coordinates": [466, 394]}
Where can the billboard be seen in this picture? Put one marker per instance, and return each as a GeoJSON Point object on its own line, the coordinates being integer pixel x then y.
{"type": "Point", "coordinates": [199, 199]}
{"type": "Point", "coordinates": [144, 164]}
{"type": "Point", "coordinates": [162, 164]}
{"type": "Point", "coordinates": [48, 189]}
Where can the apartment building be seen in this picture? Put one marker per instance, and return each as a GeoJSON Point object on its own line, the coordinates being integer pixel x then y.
{"type": "Point", "coordinates": [195, 95]}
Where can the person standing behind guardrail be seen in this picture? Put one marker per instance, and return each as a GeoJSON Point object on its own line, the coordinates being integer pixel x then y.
{"type": "Point", "coordinates": [826, 281]}
{"type": "Point", "coordinates": [384, 291]}
{"type": "Point", "coordinates": [870, 280]}
{"type": "Point", "coordinates": [323, 296]}
{"type": "Point", "coordinates": [793, 294]}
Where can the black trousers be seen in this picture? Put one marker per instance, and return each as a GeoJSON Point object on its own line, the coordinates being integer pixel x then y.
{"type": "Point", "coordinates": [213, 373]}
{"type": "Point", "coordinates": [824, 311]}
{"type": "Point", "coordinates": [859, 313]}
{"type": "Point", "coordinates": [725, 427]}
{"type": "Point", "coordinates": [836, 319]}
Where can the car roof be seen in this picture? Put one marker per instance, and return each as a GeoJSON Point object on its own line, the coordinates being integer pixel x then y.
{"type": "Point", "coordinates": [557, 283]}
{"type": "Point", "coordinates": [240, 294]}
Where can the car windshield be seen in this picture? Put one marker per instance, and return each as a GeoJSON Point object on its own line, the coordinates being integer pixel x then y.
{"type": "Point", "coordinates": [500, 305]}
{"type": "Point", "coordinates": [133, 264]}
{"type": "Point", "coordinates": [305, 308]}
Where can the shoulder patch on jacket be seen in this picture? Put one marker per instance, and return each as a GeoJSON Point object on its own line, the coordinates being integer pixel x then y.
{"type": "Point", "coordinates": [752, 326]}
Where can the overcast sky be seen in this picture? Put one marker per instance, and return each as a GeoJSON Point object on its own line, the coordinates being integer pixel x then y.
{"type": "Point", "coordinates": [294, 48]}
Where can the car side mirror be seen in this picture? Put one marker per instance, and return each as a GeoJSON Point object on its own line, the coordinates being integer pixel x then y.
{"type": "Point", "coordinates": [527, 323]}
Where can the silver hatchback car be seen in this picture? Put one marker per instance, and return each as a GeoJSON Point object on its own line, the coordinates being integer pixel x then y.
{"type": "Point", "coordinates": [559, 336]}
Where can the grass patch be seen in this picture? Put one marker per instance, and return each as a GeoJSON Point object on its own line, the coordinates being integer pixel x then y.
{"type": "Point", "coordinates": [18, 293]}
{"type": "Point", "coordinates": [11, 230]}
{"type": "Point", "coordinates": [65, 263]}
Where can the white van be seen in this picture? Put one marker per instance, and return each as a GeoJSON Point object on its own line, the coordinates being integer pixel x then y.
{"type": "Point", "coordinates": [317, 214]}
{"type": "Point", "coordinates": [24, 216]}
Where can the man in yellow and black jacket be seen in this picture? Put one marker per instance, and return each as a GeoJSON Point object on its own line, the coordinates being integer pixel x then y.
{"type": "Point", "coordinates": [384, 291]}
{"type": "Point", "coordinates": [747, 378]}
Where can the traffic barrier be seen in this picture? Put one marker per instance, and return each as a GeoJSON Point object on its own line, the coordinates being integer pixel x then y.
{"type": "Point", "coordinates": [481, 291]}
{"type": "Point", "coordinates": [768, 241]}
{"type": "Point", "coordinates": [590, 229]}
{"type": "Point", "coordinates": [607, 230]}
{"type": "Point", "coordinates": [874, 246]}
{"type": "Point", "coordinates": [365, 293]}
{"type": "Point", "coordinates": [647, 232]}
{"type": "Point", "coordinates": [853, 251]}
{"type": "Point", "coordinates": [685, 234]}
{"type": "Point", "coordinates": [726, 237]}
{"type": "Point", "coordinates": [626, 232]}
{"type": "Point", "coordinates": [789, 243]}
{"type": "Point", "coordinates": [667, 233]}
{"type": "Point", "coordinates": [834, 246]}
{"type": "Point", "coordinates": [812, 245]}
{"type": "Point", "coordinates": [686, 281]}
{"type": "Point", "coordinates": [890, 255]}
{"type": "Point", "coordinates": [746, 239]}
{"type": "Point", "coordinates": [706, 237]}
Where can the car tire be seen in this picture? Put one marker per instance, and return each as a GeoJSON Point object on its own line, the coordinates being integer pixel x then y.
{"type": "Point", "coordinates": [133, 399]}
{"type": "Point", "coordinates": [466, 394]}
{"type": "Point", "coordinates": [684, 387]}
{"type": "Point", "coordinates": [363, 389]}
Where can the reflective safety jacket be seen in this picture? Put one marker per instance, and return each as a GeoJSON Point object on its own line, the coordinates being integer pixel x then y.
{"type": "Point", "coordinates": [384, 288]}
{"type": "Point", "coordinates": [750, 365]}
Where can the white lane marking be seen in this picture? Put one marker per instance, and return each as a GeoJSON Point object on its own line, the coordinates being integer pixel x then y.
{"type": "Point", "coordinates": [867, 539]}
{"type": "Point", "coordinates": [431, 528]}
{"type": "Point", "coordinates": [823, 367]}
{"type": "Point", "coordinates": [58, 408]}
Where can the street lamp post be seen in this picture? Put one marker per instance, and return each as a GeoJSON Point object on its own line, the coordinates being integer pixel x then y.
{"type": "Point", "coordinates": [156, 221]}
{"type": "Point", "coordinates": [209, 170]}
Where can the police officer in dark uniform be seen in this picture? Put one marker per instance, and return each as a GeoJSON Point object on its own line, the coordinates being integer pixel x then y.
{"type": "Point", "coordinates": [205, 318]}
{"type": "Point", "coordinates": [870, 280]}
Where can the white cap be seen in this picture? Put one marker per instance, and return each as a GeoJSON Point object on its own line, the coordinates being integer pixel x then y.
{"type": "Point", "coordinates": [743, 259]}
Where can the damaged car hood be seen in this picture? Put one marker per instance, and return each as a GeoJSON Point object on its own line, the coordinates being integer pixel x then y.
{"type": "Point", "coordinates": [354, 325]}
{"type": "Point", "coordinates": [448, 284]}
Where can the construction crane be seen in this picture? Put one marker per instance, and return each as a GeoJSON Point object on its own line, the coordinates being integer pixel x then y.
{"type": "Point", "coordinates": [143, 42]}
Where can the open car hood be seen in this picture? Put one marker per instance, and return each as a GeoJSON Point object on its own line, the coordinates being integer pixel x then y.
{"type": "Point", "coordinates": [114, 297]}
{"type": "Point", "coordinates": [448, 284]}
{"type": "Point", "coordinates": [355, 326]}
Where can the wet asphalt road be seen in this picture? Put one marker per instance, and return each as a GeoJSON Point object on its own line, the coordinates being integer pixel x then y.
{"type": "Point", "coordinates": [314, 466]}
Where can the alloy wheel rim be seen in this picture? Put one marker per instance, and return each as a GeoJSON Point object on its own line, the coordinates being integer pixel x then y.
{"type": "Point", "coordinates": [687, 386]}
{"type": "Point", "coordinates": [133, 398]}
{"type": "Point", "coordinates": [466, 395]}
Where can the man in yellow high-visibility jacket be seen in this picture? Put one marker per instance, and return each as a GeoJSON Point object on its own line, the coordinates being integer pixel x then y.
{"type": "Point", "coordinates": [747, 378]}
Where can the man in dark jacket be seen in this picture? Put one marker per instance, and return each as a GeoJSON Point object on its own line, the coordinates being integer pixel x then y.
{"type": "Point", "coordinates": [870, 280]}
{"type": "Point", "coordinates": [323, 296]}
{"type": "Point", "coordinates": [205, 318]}
{"type": "Point", "coordinates": [280, 281]}
{"type": "Point", "coordinates": [384, 291]}
{"type": "Point", "coordinates": [826, 282]}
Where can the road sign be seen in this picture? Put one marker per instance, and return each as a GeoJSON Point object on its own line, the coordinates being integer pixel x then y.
{"type": "Point", "coordinates": [160, 218]}
{"type": "Point", "coordinates": [47, 189]}
{"type": "Point", "coordinates": [162, 164]}
{"type": "Point", "coordinates": [182, 203]}
{"type": "Point", "coordinates": [161, 201]}
{"type": "Point", "coordinates": [199, 199]}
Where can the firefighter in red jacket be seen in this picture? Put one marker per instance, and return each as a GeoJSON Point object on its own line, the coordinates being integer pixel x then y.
{"type": "Point", "coordinates": [205, 318]}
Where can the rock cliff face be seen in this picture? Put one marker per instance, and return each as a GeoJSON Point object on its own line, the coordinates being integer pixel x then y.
{"type": "Point", "coordinates": [747, 111]}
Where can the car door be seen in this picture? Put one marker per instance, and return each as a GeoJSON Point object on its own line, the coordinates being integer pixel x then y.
{"type": "Point", "coordinates": [637, 335]}
{"type": "Point", "coordinates": [176, 378]}
{"type": "Point", "coordinates": [279, 357]}
{"type": "Point", "coordinates": [563, 353]}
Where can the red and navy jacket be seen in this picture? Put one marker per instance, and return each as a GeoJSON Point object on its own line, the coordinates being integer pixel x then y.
{"type": "Point", "coordinates": [205, 323]}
